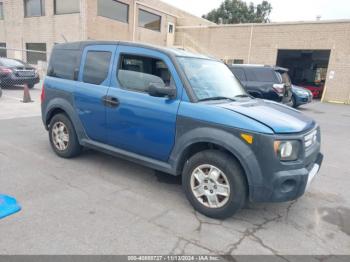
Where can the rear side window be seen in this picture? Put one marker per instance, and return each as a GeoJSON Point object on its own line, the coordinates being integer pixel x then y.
{"type": "Point", "coordinates": [63, 63]}
{"type": "Point", "coordinates": [138, 72]}
{"type": "Point", "coordinates": [239, 73]}
{"type": "Point", "coordinates": [96, 67]}
{"type": "Point", "coordinates": [284, 77]}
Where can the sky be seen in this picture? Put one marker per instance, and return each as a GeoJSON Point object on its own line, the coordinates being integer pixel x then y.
{"type": "Point", "coordinates": [283, 10]}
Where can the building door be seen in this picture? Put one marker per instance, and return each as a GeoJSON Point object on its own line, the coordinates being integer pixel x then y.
{"type": "Point", "coordinates": [170, 34]}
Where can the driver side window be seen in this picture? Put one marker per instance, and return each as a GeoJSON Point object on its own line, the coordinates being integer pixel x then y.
{"type": "Point", "coordinates": [138, 72]}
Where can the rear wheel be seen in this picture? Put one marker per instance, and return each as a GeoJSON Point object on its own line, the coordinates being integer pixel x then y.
{"type": "Point", "coordinates": [63, 138]}
{"type": "Point", "coordinates": [214, 184]}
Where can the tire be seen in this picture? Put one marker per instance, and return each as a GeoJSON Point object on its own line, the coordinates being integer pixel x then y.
{"type": "Point", "coordinates": [70, 147]}
{"type": "Point", "coordinates": [31, 86]}
{"type": "Point", "coordinates": [235, 179]}
{"type": "Point", "coordinates": [294, 103]}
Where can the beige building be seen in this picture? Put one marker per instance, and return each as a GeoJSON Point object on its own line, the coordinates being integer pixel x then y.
{"type": "Point", "coordinates": [39, 24]}
{"type": "Point", "coordinates": [313, 51]}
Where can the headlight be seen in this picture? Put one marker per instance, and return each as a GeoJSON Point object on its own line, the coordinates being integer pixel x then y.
{"type": "Point", "coordinates": [287, 150]}
{"type": "Point", "coordinates": [302, 93]}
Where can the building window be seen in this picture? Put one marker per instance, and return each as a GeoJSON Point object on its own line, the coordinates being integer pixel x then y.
{"type": "Point", "coordinates": [66, 6]}
{"type": "Point", "coordinates": [1, 11]}
{"type": "Point", "coordinates": [149, 20]}
{"type": "Point", "coordinates": [114, 10]}
{"type": "Point", "coordinates": [96, 67]}
{"type": "Point", "coordinates": [238, 61]}
{"type": "Point", "coordinates": [170, 28]}
{"type": "Point", "coordinates": [3, 51]}
{"type": "Point", "coordinates": [34, 8]}
{"type": "Point", "coordinates": [39, 53]}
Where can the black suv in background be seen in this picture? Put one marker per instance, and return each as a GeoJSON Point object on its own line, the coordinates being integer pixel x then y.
{"type": "Point", "coordinates": [266, 82]}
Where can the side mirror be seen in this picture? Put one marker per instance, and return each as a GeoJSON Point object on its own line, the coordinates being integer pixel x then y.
{"type": "Point", "coordinates": [159, 90]}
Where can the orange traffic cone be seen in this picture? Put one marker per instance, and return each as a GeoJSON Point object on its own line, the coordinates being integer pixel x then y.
{"type": "Point", "coordinates": [26, 95]}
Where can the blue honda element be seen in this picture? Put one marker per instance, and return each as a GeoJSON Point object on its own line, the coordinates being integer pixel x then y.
{"type": "Point", "coordinates": [183, 114]}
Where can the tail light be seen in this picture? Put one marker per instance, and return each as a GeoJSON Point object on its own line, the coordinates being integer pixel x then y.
{"type": "Point", "coordinates": [279, 88]}
{"type": "Point", "coordinates": [5, 71]}
{"type": "Point", "coordinates": [42, 96]}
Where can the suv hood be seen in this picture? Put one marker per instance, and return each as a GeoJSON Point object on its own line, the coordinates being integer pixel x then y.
{"type": "Point", "coordinates": [281, 119]}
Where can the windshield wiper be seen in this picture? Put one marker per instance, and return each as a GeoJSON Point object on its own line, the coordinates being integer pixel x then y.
{"type": "Point", "coordinates": [216, 98]}
{"type": "Point", "coordinates": [242, 96]}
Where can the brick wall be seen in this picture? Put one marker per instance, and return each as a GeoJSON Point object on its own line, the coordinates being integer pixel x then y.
{"type": "Point", "coordinates": [17, 30]}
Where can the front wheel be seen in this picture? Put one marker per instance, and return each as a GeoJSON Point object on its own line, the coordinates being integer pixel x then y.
{"type": "Point", "coordinates": [294, 102]}
{"type": "Point", "coordinates": [214, 184]}
{"type": "Point", "coordinates": [63, 138]}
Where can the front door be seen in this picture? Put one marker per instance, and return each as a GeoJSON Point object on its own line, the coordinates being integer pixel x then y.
{"type": "Point", "coordinates": [91, 89]}
{"type": "Point", "coordinates": [170, 39]}
{"type": "Point", "coordinates": [143, 124]}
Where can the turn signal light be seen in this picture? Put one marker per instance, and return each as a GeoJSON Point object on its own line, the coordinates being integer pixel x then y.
{"type": "Point", "coordinates": [248, 138]}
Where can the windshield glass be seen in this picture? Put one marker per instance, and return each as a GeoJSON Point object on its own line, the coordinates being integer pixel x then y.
{"type": "Point", "coordinates": [210, 79]}
{"type": "Point", "coordinates": [10, 62]}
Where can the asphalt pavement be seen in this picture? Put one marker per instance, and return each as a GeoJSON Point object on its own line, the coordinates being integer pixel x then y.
{"type": "Point", "coordinates": [98, 204]}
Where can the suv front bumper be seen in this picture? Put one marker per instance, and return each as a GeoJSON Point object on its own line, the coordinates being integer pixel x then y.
{"type": "Point", "coordinates": [285, 181]}
{"type": "Point", "coordinates": [292, 184]}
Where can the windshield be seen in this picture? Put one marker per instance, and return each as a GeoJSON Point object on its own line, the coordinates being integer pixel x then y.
{"type": "Point", "coordinates": [210, 79]}
{"type": "Point", "coordinates": [10, 62]}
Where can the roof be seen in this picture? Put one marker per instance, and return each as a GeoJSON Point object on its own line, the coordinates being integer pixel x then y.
{"type": "Point", "coordinates": [170, 51]}
{"type": "Point", "coordinates": [277, 68]}
{"type": "Point", "coordinates": [294, 23]}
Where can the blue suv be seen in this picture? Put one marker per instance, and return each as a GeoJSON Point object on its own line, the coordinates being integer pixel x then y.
{"type": "Point", "coordinates": [183, 114]}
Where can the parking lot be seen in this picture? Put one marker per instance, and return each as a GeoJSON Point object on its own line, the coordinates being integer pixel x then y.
{"type": "Point", "coordinates": [97, 204]}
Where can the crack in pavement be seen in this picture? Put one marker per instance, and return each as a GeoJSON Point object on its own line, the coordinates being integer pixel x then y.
{"type": "Point", "coordinates": [201, 222]}
{"type": "Point", "coordinates": [251, 233]}
{"type": "Point", "coordinates": [289, 208]}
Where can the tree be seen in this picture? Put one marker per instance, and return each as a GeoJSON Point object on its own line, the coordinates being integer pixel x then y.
{"type": "Point", "coordinates": [238, 11]}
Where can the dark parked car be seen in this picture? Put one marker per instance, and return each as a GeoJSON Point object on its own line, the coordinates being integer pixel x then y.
{"type": "Point", "coordinates": [183, 114]}
{"type": "Point", "coordinates": [266, 82]}
{"type": "Point", "coordinates": [15, 72]}
{"type": "Point", "coordinates": [301, 96]}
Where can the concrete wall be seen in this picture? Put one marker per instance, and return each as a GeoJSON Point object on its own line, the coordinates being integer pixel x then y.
{"type": "Point", "coordinates": [259, 44]}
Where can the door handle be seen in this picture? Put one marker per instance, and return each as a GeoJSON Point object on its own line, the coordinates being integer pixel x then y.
{"type": "Point", "coordinates": [110, 101]}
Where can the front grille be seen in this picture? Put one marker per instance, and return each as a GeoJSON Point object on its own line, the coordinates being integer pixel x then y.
{"type": "Point", "coordinates": [310, 139]}
{"type": "Point", "coordinates": [25, 73]}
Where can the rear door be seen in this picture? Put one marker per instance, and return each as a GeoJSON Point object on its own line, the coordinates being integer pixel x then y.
{"type": "Point", "coordinates": [91, 90]}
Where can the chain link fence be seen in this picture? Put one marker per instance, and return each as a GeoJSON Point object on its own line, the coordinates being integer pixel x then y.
{"type": "Point", "coordinates": [22, 66]}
